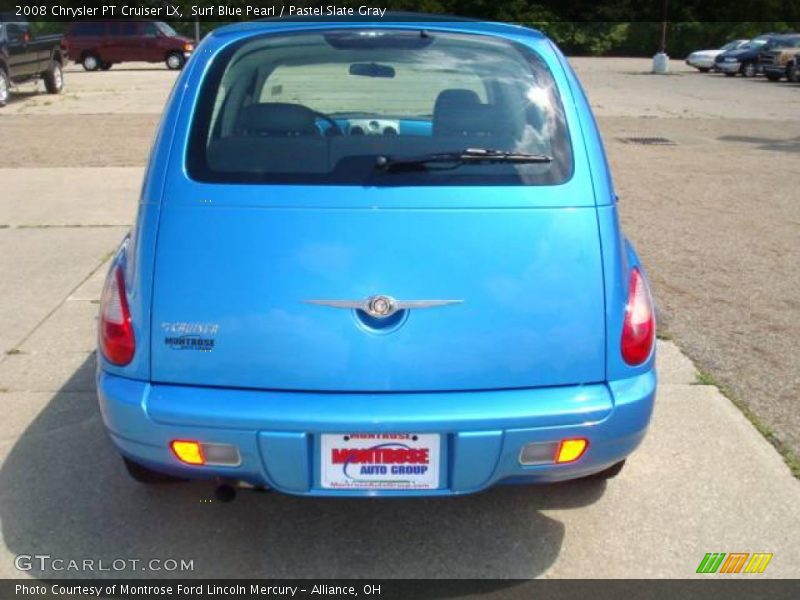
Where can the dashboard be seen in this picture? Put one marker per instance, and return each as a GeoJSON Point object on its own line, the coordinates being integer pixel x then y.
{"type": "Point", "coordinates": [372, 127]}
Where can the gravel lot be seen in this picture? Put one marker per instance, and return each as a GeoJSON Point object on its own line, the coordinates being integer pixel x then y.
{"type": "Point", "coordinates": [715, 217]}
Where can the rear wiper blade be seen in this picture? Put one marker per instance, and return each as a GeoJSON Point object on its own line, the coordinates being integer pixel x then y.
{"type": "Point", "coordinates": [451, 160]}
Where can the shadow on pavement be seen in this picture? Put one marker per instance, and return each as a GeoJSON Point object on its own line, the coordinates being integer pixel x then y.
{"type": "Point", "coordinates": [64, 492]}
{"type": "Point", "coordinates": [780, 145]}
{"type": "Point", "coordinates": [19, 95]}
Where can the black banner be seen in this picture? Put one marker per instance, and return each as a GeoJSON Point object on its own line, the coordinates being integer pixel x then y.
{"type": "Point", "coordinates": [391, 589]}
{"type": "Point", "coordinates": [600, 11]}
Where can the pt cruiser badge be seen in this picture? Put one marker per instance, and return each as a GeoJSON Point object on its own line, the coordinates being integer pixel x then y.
{"type": "Point", "coordinates": [381, 307]}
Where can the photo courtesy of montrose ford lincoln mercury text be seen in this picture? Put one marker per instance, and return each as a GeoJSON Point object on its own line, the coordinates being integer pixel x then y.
{"type": "Point", "coordinates": [376, 259]}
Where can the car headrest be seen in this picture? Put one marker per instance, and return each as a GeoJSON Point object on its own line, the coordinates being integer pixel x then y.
{"type": "Point", "coordinates": [452, 101]}
{"type": "Point", "coordinates": [278, 119]}
{"type": "Point", "coordinates": [455, 98]}
{"type": "Point", "coordinates": [458, 112]}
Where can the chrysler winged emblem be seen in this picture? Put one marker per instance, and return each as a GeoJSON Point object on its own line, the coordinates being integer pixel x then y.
{"type": "Point", "coordinates": [381, 307]}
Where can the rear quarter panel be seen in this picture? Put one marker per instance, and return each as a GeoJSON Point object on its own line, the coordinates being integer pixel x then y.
{"type": "Point", "coordinates": [141, 250]}
{"type": "Point", "coordinates": [618, 254]}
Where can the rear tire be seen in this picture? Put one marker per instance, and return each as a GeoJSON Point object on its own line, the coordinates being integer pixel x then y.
{"type": "Point", "coordinates": [91, 62]}
{"type": "Point", "coordinates": [793, 74]}
{"type": "Point", "coordinates": [174, 61]}
{"type": "Point", "coordinates": [148, 476]}
{"type": "Point", "coordinates": [106, 66]}
{"type": "Point", "coordinates": [5, 88]}
{"type": "Point", "coordinates": [608, 473]}
{"type": "Point", "coordinates": [54, 78]}
{"type": "Point", "coordinates": [773, 77]}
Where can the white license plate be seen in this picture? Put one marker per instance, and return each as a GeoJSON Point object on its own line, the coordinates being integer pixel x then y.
{"type": "Point", "coordinates": [380, 461]}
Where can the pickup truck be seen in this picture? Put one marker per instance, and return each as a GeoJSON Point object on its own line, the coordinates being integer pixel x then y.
{"type": "Point", "coordinates": [777, 59]}
{"type": "Point", "coordinates": [25, 56]}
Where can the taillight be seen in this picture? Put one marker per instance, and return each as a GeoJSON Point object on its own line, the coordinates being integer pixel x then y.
{"type": "Point", "coordinates": [116, 332]}
{"type": "Point", "coordinates": [639, 328]}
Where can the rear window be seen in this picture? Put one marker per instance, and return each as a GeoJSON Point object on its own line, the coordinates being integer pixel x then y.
{"type": "Point", "coordinates": [334, 107]}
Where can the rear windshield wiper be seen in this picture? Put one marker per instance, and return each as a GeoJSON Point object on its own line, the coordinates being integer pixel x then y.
{"type": "Point", "coordinates": [451, 160]}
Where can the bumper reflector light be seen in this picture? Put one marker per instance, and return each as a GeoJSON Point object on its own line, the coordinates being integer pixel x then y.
{"type": "Point", "coordinates": [197, 453]}
{"type": "Point", "coordinates": [224, 455]}
{"type": "Point", "coordinates": [538, 453]}
{"type": "Point", "coordinates": [188, 452]}
{"type": "Point", "coordinates": [571, 450]}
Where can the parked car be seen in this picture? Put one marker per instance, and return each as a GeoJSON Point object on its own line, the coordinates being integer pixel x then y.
{"type": "Point", "coordinates": [25, 56]}
{"type": "Point", "coordinates": [743, 60]}
{"type": "Point", "coordinates": [777, 58]}
{"type": "Point", "coordinates": [703, 60]}
{"type": "Point", "coordinates": [102, 44]}
{"type": "Point", "coordinates": [793, 69]}
{"type": "Point", "coordinates": [454, 307]}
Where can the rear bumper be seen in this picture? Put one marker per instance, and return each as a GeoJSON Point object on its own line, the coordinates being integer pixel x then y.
{"type": "Point", "coordinates": [277, 433]}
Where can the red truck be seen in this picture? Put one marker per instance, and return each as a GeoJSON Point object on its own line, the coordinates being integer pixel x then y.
{"type": "Point", "coordinates": [101, 44]}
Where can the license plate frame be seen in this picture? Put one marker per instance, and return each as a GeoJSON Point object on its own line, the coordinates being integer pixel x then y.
{"type": "Point", "coordinates": [380, 461]}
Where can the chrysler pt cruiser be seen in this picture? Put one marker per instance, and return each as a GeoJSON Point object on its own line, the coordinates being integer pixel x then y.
{"type": "Point", "coordinates": [376, 259]}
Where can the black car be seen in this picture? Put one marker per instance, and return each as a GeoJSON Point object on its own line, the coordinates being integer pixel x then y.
{"type": "Point", "coordinates": [25, 56]}
{"type": "Point", "coordinates": [743, 60]}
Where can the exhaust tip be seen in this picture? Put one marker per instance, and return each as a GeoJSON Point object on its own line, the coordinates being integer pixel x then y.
{"type": "Point", "coordinates": [225, 493]}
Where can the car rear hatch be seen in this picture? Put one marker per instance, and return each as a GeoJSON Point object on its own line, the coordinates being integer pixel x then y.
{"type": "Point", "coordinates": [233, 285]}
{"type": "Point", "coordinates": [255, 284]}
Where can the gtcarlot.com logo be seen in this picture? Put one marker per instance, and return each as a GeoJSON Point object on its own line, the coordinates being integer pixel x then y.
{"type": "Point", "coordinates": [46, 562]}
{"type": "Point", "coordinates": [734, 562]}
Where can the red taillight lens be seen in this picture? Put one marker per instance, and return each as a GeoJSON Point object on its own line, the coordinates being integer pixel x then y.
{"type": "Point", "coordinates": [116, 332]}
{"type": "Point", "coordinates": [639, 328]}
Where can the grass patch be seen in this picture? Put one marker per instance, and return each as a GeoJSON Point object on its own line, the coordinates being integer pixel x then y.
{"type": "Point", "coordinates": [3, 390]}
{"type": "Point", "coordinates": [791, 459]}
{"type": "Point", "coordinates": [13, 352]}
{"type": "Point", "coordinates": [705, 378]}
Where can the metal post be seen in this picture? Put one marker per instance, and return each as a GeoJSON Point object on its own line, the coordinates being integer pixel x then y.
{"type": "Point", "coordinates": [663, 49]}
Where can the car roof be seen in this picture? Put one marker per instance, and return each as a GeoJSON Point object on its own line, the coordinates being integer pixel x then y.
{"type": "Point", "coordinates": [390, 20]}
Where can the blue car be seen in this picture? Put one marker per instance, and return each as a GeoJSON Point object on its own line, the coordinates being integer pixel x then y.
{"type": "Point", "coordinates": [376, 259]}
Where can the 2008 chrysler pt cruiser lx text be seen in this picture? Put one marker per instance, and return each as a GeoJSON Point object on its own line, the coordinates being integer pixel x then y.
{"type": "Point", "coordinates": [376, 259]}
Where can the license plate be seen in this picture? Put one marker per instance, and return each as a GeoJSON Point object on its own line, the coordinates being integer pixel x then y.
{"type": "Point", "coordinates": [380, 461]}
